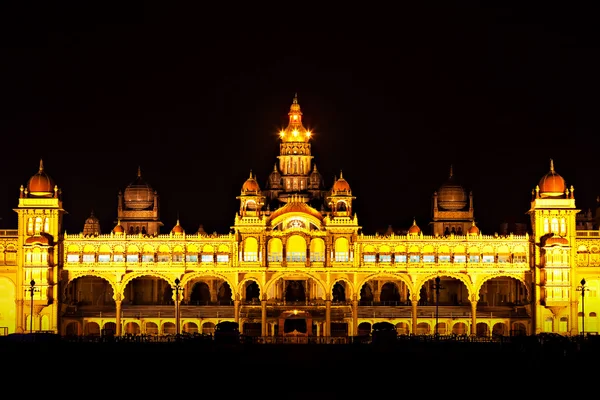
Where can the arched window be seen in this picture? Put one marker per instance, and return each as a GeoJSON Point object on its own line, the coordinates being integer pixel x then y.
{"type": "Point", "coordinates": [554, 226]}
{"type": "Point", "coordinates": [38, 225]}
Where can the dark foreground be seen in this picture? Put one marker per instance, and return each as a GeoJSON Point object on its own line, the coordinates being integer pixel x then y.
{"type": "Point", "coordinates": [389, 367]}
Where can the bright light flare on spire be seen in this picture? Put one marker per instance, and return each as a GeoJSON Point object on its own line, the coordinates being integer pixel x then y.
{"type": "Point", "coordinates": [308, 133]}
{"type": "Point", "coordinates": [282, 133]}
{"type": "Point", "coordinates": [295, 132]}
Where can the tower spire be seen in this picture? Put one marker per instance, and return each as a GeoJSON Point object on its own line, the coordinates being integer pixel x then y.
{"type": "Point", "coordinates": [551, 165]}
{"type": "Point", "coordinates": [139, 174]}
{"type": "Point", "coordinates": [41, 165]}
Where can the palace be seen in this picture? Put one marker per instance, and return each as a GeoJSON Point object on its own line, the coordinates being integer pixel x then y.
{"type": "Point", "coordinates": [296, 263]}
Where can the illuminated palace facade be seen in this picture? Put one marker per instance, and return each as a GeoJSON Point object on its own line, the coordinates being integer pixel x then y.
{"type": "Point", "coordinates": [296, 263]}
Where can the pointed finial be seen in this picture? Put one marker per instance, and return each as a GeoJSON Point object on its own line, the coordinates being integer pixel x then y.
{"type": "Point", "coordinates": [295, 98]}
{"type": "Point", "coordinates": [341, 176]}
{"type": "Point", "coordinates": [551, 165]}
{"type": "Point", "coordinates": [275, 167]}
{"type": "Point", "coordinates": [41, 165]}
{"type": "Point", "coordinates": [451, 171]}
{"type": "Point", "coordinates": [139, 172]}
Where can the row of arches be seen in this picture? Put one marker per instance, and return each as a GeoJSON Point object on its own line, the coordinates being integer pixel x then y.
{"type": "Point", "coordinates": [483, 329]}
{"type": "Point", "coordinates": [108, 328]}
{"type": "Point", "coordinates": [215, 290]}
{"type": "Point", "coordinates": [166, 328]}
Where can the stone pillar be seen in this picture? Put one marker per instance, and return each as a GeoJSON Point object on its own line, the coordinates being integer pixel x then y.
{"type": "Point", "coordinates": [20, 321]}
{"type": "Point", "coordinates": [473, 318]}
{"type": "Point", "coordinates": [414, 316]}
{"type": "Point", "coordinates": [263, 326]}
{"type": "Point", "coordinates": [236, 311]}
{"type": "Point", "coordinates": [118, 317]}
{"type": "Point", "coordinates": [327, 328]}
{"type": "Point", "coordinates": [355, 317]}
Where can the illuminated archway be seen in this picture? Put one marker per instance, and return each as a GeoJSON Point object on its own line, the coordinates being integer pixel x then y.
{"type": "Point", "coordinates": [7, 306]}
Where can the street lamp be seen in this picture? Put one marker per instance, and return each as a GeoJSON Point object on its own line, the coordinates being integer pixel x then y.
{"type": "Point", "coordinates": [32, 289]}
{"type": "Point", "coordinates": [437, 288]}
{"type": "Point", "coordinates": [177, 287]}
{"type": "Point", "coordinates": [583, 289]}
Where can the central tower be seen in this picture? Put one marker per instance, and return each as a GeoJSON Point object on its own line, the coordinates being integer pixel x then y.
{"type": "Point", "coordinates": [294, 174]}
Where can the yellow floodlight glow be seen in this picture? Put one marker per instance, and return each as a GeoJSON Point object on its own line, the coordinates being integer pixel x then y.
{"type": "Point", "coordinates": [282, 133]}
{"type": "Point", "coordinates": [295, 132]}
{"type": "Point", "coordinates": [308, 133]}
{"type": "Point", "coordinates": [295, 117]}
{"type": "Point", "coordinates": [295, 312]}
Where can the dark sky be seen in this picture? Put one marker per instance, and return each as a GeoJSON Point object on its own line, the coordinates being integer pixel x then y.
{"type": "Point", "coordinates": [195, 96]}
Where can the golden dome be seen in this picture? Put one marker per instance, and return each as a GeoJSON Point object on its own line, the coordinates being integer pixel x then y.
{"type": "Point", "coordinates": [451, 195]}
{"type": "Point", "coordinates": [138, 195]}
{"type": "Point", "coordinates": [251, 185]}
{"type": "Point", "coordinates": [40, 184]}
{"type": "Point", "coordinates": [473, 230]}
{"type": "Point", "coordinates": [295, 131]}
{"type": "Point", "coordinates": [341, 185]}
{"type": "Point", "coordinates": [552, 184]}
{"type": "Point", "coordinates": [177, 229]}
{"type": "Point", "coordinates": [414, 229]}
{"type": "Point", "coordinates": [118, 228]}
{"type": "Point", "coordinates": [296, 205]}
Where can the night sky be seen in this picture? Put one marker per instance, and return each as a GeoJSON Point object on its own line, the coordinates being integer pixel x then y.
{"type": "Point", "coordinates": [196, 96]}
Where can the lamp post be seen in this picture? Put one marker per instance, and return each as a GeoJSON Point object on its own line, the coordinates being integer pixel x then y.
{"type": "Point", "coordinates": [583, 289]}
{"type": "Point", "coordinates": [32, 289]}
{"type": "Point", "coordinates": [437, 288]}
{"type": "Point", "coordinates": [177, 288]}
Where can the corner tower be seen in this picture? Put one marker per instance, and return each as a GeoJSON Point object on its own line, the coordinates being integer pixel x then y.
{"type": "Point", "coordinates": [40, 215]}
{"type": "Point", "coordinates": [553, 221]}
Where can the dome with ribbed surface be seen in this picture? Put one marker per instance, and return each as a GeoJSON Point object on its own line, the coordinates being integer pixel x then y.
{"type": "Point", "coordinates": [473, 230]}
{"type": "Point", "coordinates": [40, 184]}
{"type": "Point", "coordinates": [341, 185]}
{"type": "Point", "coordinates": [552, 184]}
{"type": "Point", "coordinates": [138, 195]}
{"type": "Point", "coordinates": [177, 229]}
{"type": "Point", "coordinates": [251, 185]}
{"type": "Point", "coordinates": [118, 228]}
{"type": "Point", "coordinates": [414, 229]}
{"type": "Point", "coordinates": [451, 195]}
